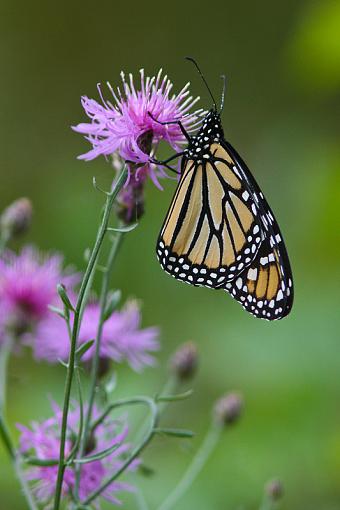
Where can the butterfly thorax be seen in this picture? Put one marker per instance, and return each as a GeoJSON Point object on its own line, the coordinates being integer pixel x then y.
{"type": "Point", "coordinates": [210, 132]}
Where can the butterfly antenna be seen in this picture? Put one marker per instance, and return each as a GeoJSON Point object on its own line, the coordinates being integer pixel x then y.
{"type": "Point", "coordinates": [204, 80]}
{"type": "Point", "coordinates": [224, 79]}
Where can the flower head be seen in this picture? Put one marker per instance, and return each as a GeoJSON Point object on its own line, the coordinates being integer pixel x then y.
{"type": "Point", "coordinates": [122, 338]}
{"type": "Point", "coordinates": [42, 440]}
{"type": "Point", "coordinates": [129, 123]}
{"type": "Point", "coordinates": [28, 284]}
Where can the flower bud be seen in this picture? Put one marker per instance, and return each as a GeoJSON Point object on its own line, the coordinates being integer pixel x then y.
{"type": "Point", "coordinates": [274, 489]}
{"type": "Point", "coordinates": [16, 218]}
{"type": "Point", "coordinates": [184, 362]}
{"type": "Point", "coordinates": [228, 408]}
{"type": "Point", "coordinates": [130, 202]}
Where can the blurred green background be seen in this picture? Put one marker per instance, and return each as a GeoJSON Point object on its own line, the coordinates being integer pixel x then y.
{"type": "Point", "coordinates": [282, 60]}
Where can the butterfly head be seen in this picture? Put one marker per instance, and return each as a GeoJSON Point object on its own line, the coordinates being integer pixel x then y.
{"type": "Point", "coordinates": [210, 132]}
{"type": "Point", "coordinates": [211, 129]}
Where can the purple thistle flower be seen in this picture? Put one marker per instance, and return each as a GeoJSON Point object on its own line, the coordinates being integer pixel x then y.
{"type": "Point", "coordinates": [128, 129]}
{"type": "Point", "coordinates": [28, 284]}
{"type": "Point", "coordinates": [42, 440]}
{"type": "Point", "coordinates": [125, 127]}
{"type": "Point", "coordinates": [122, 337]}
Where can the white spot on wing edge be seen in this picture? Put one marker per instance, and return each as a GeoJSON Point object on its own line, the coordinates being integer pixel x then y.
{"type": "Point", "coordinates": [235, 169]}
{"type": "Point", "coordinates": [279, 295]}
{"type": "Point", "coordinates": [245, 195]}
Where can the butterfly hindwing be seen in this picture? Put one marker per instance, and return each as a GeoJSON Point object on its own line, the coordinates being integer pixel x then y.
{"type": "Point", "coordinates": [263, 289]}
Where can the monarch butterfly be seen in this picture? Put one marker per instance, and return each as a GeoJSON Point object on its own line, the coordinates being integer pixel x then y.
{"type": "Point", "coordinates": [219, 231]}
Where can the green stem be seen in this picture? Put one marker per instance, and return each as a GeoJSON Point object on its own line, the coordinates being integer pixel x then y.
{"type": "Point", "coordinates": [16, 460]}
{"type": "Point", "coordinates": [6, 437]}
{"type": "Point", "coordinates": [4, 431]}
{"type": "Point", "coordinates": [75, 329]}
{"type": "Point", "coordinates": [268, 504]}
{"type": "Point", "coordinates": [169, 387]}
{"type": "Point", "coordinates": [4, 238]}
{"type": "Point", "coordinates": [24, 485]}
{"type": "Point", "coordinates": [140, 501]}
{"type": "Point", "coordinates": [95, 363]}
{"type": "Point", "coordinates": [194, 469]}
{"type": "Point", "coordinates": [4, 357]}
{"type": "Point", "coordinates": [136, 452]}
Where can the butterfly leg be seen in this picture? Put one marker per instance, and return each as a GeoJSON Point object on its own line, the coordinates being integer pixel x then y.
{"type": "Point", "coordinates": [178, 122]}
{"type": "Point", "coordinates": [165, 161]}
{"type": "Point", "coordinates": [166, 166]}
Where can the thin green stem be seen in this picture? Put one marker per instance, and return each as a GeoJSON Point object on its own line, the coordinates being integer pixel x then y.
{"type": "Point", "coordinates": [4, 238]}
{"type": "Point", "coordinates": [268, 504]}
{"type": "Point", "coordinates": [96, 359]}
{"type": "Point", "coordinates": [75, 328]}
{"type": "Point", "coordinates": [6, 438]}
{"type": "Point", "coordinates": [194, 469]}
{"type": "Point", "coordinates": [140, 500]}
{"type": "Point", "coordinates": [24, 485]}
{"type": "Point", "coordinates": [169, 388]}
{"type": "Point", "coordinates": [138, 449]}
{"type": "Point", "coordinates": [4, 357]}
{"type": "Point", "coordinates": [17, 461]}
{"type": "Point", "coordinates": [4, 431]}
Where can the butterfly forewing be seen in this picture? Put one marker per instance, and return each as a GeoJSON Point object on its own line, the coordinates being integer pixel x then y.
{"type": "Point", "coordinates": [212, 230]}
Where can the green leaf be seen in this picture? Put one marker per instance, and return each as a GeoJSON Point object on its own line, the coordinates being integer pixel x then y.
{"type": "Point", "coordinates": [35, 461]}
{"type": "Point", "coordinates": [64, 297]}
{"type": "Point", "coordinates": [174, 398]}
{"type": "Point", "coordinates": [98, 188]}
{"type": "Point", "coordinates": [174, 432]}
{"type": "Point", "coordinates": [84, 348]}
{"type": "Point", "coordinates": [111, 304]}
{"type": "Point", "coordinates": [126, 229]}
{"type": "Point", "coordinates": [58, 311]}
{"type": "Point", "coordinates": [98, 456]}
